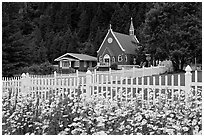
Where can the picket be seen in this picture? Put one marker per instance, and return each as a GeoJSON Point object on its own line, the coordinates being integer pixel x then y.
{"type": "Point", "coordinates": [115, 84]}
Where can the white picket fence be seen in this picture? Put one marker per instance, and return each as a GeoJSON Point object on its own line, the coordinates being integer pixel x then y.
{"type": "Point", "coordinates": [115, 85]}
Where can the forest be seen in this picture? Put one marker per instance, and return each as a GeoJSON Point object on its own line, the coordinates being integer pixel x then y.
{"type": "Point", "coordinates": [35, 33]}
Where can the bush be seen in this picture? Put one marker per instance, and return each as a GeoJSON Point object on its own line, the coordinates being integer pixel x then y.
{"type": "Point", "coordinates": [67, 71]}
{"type": "Point", "coordinates": [38, 69]}
{"type": "Point", "coordinates": [114, 66]}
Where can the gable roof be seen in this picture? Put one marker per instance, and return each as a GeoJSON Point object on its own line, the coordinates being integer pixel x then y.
{"type": "Point", "coordinates": [110, 31]}
{"type": "Point", "coordinates": [129, 43]}
{"type": "Point", "coordinates": [77, 56]}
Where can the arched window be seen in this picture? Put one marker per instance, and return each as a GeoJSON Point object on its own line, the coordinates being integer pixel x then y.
{"type": "Point", "coordinates": [113, 59]}
{"type": "Point", "coordinates": [120, 59]}
{"type": "Point", "coordinates": [125, 58]}
{"type": "Point", "coordinates": [100, 59]}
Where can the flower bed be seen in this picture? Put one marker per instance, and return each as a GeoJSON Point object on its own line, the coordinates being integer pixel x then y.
{"type": "Point", "coordinates": [97, 115]}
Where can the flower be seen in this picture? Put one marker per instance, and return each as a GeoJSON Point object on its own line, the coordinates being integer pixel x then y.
{"type": "Point", "coordinates": [185, 128]}
{"type": "Point", "coordinates": [100, 133]}
{"type": "Point", "coordinates": [196, 128]}
{"type": "Point", "coordinates": [178, 133]}
{"type": "Point", "coordinates": [194, 122]}
{"type": "Point", "coordinates": [144, 121]}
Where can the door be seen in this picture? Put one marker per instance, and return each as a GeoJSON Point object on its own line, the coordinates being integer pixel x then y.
{"type": "Point", "coordinates": [106, 60]}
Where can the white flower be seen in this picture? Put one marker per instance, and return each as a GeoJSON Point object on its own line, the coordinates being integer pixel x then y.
{"type": "Point", "coordinates": [128, 126]}
{"type": "Point", "coordinates": [171, 115]}
{"type": "Point", "coordinates": [155, 127]}
{"type": "Point", "coordinates": [100, 124]}
{"type": "Point", "coordinates": [194, 122]}
{"type": "Point", "coordinates": [139, 117]}
{"type": "Point", "coordinates": [197, 128]}
{"type": "Point", "coordinates": [185, 128]}
{"type": "Point", "coordinates": [178, 133]}
{"type": "Point", "coordinates": [144, 121]}
{"type": "Point", "coordinates": [139, 133]}
{"type": "Point", "coordinates": [74, 132]}
{"type": "Point", "coordinates": [200, 132]}
{"type": "Point", "coordinates": [100, 133]}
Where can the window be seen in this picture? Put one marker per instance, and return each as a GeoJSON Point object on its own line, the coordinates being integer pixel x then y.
{"type": "Point", "coordinates": [85, 64]}
{"type": "Point", "coordinates": [120, 58]}
{"type": "Point", "coordinates": [125, 58]}
{"type": "Point", "coordinates": [113, 60]}
{"type": "Point", "coordinates": [66, 64]}
{"type": "Point", "coordinates": [60, 64]}
{"type": "Point", "coordinates": [76, 63]}
{"type": "Point", "coordinates": [100, 59]}
{"type": "Point", "coordinates": [90, 64]}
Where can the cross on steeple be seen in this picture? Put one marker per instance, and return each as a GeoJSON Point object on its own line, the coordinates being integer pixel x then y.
{"type": "Point", "coordinates": [110, 26]}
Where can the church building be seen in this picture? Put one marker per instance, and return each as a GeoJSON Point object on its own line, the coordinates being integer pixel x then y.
{"type": "Point", "coordinates": [117, 48]}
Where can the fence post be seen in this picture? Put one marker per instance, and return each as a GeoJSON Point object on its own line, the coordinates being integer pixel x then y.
{"type": "Point", "coordinates": [123, 72]}
{"type": "Point", "coordinates": [28, 82]}
{"type": "Point", "coordinates": [151, 70]}
{"type": "Point", "coordinates": [88, 83]}
{"type": "Point", "coordinates": [143, 69]}
{"type": "Point", "coordinates": [188, 80]}
{"type": "Point", "coordinates": [95, 76]}
{"type": "Point", "coordinates": [77, 73]}
{"type": "Point", "coordinates": [55, 80]}
{"type": "Point", "coordinates": [25, 84]}
{"type": "Point", "coordinates": [109, 73]}
{"type": "Point", "coordinates": [133, 69]}
{"type": "Point", "coordinates": [77, 78]}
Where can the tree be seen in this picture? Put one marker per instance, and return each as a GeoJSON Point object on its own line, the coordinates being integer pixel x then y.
{"type": "Point", "coordinates": [173, 29]}
{"type": "Point", "coordinates": [121, 18]}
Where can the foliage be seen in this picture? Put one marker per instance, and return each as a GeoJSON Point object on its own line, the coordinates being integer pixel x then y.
{"type": "Point", "coordinates": [66, 71]}
{"type": "Point", "coordinates": [33, 33]}
{"type": "Point", "coordinates": [114, 66]}
{"type": "Point", "coordinates": [37, 69]}
{"type": "Point", "coordinates": [78, 115]}
{"type": "Point", "coordinates": [173, 31]}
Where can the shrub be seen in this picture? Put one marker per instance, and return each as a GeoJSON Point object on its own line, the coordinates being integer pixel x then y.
{"type": "Point", "coordinates": [114, 66]}
{"type": "Point", "coordinates": [38, 69]}
{"type": "Point", "coordinates": [67, 71]}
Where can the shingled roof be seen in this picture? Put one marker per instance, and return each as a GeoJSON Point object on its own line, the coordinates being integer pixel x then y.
{"type": "Point", "coordinates": [77, 56]}
{"type": "Point", "coordinates": [129, 43]}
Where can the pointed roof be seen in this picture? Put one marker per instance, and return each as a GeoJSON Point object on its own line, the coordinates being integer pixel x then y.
{"type": "Point", "coordinates": [131, 25]}
{"type": "Point", "coordinates": [77, 56]}
{"type": "Point", "coordinates": [127, 42]}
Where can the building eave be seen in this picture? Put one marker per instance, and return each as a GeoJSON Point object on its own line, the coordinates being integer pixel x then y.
{"type": "Point", "coordinates": [118, 41]}
{"type": "Point", "coordinates": [103, 41]}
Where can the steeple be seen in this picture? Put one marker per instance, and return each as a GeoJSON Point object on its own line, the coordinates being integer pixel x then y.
{"type": "Point", "coordinates": [110, 27]}
{"type": "Point", "coordinates": [131, 30]}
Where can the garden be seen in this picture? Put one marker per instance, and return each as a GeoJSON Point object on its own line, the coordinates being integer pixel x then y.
{"type": "Point", "coordinates": [77, 115]}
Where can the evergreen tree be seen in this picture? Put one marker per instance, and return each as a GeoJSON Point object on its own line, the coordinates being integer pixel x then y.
{"type": "Point", "coordinates": [173, 30]}
{"type": "Point", "coordinates": [33, 33]}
